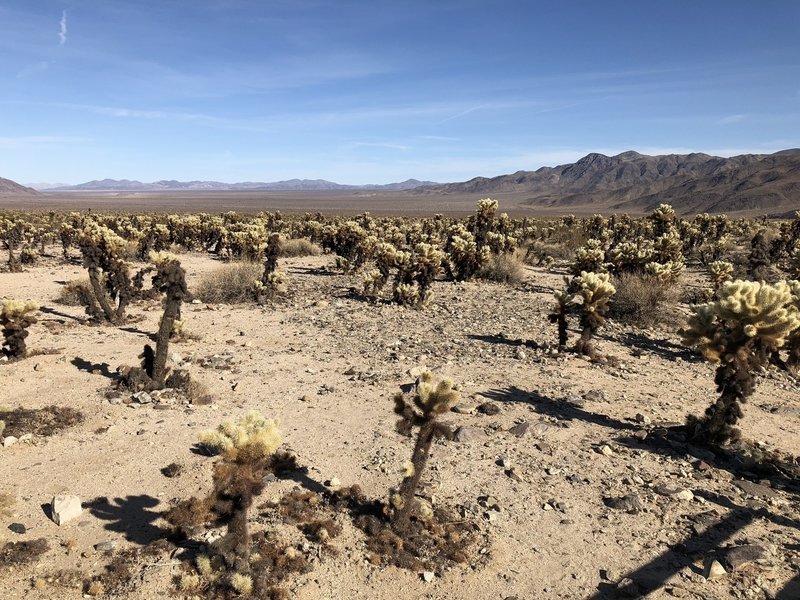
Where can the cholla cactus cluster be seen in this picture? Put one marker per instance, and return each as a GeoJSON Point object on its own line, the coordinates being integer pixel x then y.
{"type": "Point", "coordinates": [15, 317]}
{"type": "Point", "coordinates": [740, 330]}
{"type": "Point", "coordinates": [431, 398]}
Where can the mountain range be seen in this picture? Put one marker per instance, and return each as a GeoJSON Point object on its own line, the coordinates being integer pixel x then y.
{"type": "Point", "coordinates": [628, 182]}
{"type": "Point", "coordinates": [633, 182]}
{"type": "Point", "coordinates": [126, 185]}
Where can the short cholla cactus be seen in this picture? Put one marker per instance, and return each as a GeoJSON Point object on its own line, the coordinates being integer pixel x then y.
{"type": "Point", "coordinates": [740, 330]}
{"type": "Point", "coordinates": [249, 453]}
{"type": "Point", "coordinates": [720, 272]}
{"type": "Point", "coordinates": [15, 317]}
{"type": "Point", "coordinates": [589, 294]}
{"type": "Point", "coordinates": [430, 400]}
{"type": "Point", "coordinates": [793, 340]}
{"type": "Point", "coordinates": [595, 291]}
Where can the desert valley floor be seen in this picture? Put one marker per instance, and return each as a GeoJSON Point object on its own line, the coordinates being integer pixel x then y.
{"type": "Point", "coordinates": [575, 487]}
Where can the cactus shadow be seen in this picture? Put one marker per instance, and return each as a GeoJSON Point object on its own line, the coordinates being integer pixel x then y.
{"type": "Point", "coordinates": [103, 369]}
{"type": "Point", "coordinates": [52, 311]}
{"type": "Point", "coordinates": [130, 516]}
{"type": "Point", "coordinates": [501, 339]}
{"type": "Point", "coordinates": [661, 348]}
{"type": "Point", "coordinates": [151, 336]}
{"type": "Point", "coordinates": [562, 409]}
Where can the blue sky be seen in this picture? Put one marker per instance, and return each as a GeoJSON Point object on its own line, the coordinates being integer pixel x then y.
{"type": "Point", "coordinates": [379, 91]}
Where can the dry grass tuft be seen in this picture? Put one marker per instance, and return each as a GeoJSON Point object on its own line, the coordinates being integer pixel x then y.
{"type": "Point", "coordinates": [300, 247]}
{"type": "Point", "coordinates": [504, 268]}
{"type": "Point", "coordinates": [643, 300]}
{"type": "Point", "coordinates": [229, 284]}
{"type": "Point", "coordinates": [70, 294]}
{"type": "Point", "coordinates": [20, 553]}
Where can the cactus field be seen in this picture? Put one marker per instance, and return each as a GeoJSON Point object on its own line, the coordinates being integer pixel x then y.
{"type": "Point", "coordinates": [306, 406]}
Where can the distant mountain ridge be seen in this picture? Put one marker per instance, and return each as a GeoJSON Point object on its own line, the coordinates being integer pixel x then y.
{"type": "Point", "coordinates": [12, 188]}
{"type": "Point", "coordinates": [633, 182]}
{"type": "Point", "coordinates": [126, 185]}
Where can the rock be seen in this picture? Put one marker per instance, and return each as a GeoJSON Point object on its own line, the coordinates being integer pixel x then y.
{"type": "Point", "coordinates": [643, 419]}
{"type": "Point", "coordinates": [741, 556]}
{"type": "Point", "coordinates": [540, 429]}
{"type": "Point", "coordinates": [519, 354]}
{"type": "Point", "coordinates": [488, 408]}
{"type": "Point", "coordinates": [64, 508]}
{"type": "Point", "coordinates": [605, 450]}
{"type": "Point", "coordinates": [9, 441]}
{"type": "Point", "coordinates": [755, 489]}
{"type": "Point", "coordinates": [428, 576]}
{"type": "Point", "coordinates": [115, 400]}
{"type": "Point", "coordinates": [37, 367]}
{"type": "Point", "coordinates": [106, 546]}
{"type": "Point", "coordinates": [464, 409]}
{"type": "Point", "coordinates": [142, 397]}
{"type": "Point", "coordinates": [505, 462]}
{"type": "Point", "coordinates": [594, 396]}
{"type": "Point", "coordinates": [628, 588]}
{"type": "Point", "coordinates": [674, 492]}
{"type": "Point", "coordinates": [515, 476]}
{"type": "Point", "coordinates": [333, 482]}
{"type": "Point", "coordinates": [630, 503]}
{"type": "Point", "coordinates": [520, 429]}
{"type": "Point", "coordinates": [712, 569]}
{"type": "Point", "coordinates": [685, 495]}
{"type": "Point", "coordinates": [469, 434]}
{"type": "Point", "coordinates": [18, 528]}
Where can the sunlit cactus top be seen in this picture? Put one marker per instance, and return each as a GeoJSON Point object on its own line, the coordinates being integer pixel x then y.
{"type": "Point", "coordinates": [14, 309]}
{"type": "Point", "coordinates": [596, 290]}
{"type": "Point", "coordinates": [250, 439]}
{"type": "Point", "coordinates": [745, 310]}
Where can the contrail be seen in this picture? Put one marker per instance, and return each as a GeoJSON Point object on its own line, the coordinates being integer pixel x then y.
{"type": "Point", "coordinates": [62, 33]}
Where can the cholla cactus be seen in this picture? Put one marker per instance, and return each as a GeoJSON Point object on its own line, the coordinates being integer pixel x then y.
{"type": "Point", "coordinates": [273, 285]}
{"type": "Point", "coordinates": [666, 272]}
{"type": "Point", "coordinates": [595, 291]}
{"type": "Point", "coordinates": [759, 259]}
{"type": "Point", "coordinates": [416, 274]}
{"type": "Point", "coordinates": [249, 453]}
{"type": "Point", "coordinates": [793, 340]}
{"type": "Point", "coordinates": [15, 317]}
{"type": "Point", "coordinates": [565, 301]}
{"type": "Point", "coordinates": [720, 272]}
{"type": "Point", "coordinates": [747, 322]}
{"type": "Point", "coordinates": [589, 257]}
{"type": "Point", "coordinates": [431, 399]}
{"type": "Point", "coordinates": [794, 263]}
{"type": "Point", "coordinates": [12, 233]}
{"type": "Point", "coordinates": [466, 256]}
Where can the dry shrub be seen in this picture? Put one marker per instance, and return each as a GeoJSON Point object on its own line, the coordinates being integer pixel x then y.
{"type": "Point", "coordinates": [504, 268]}
{"type": "Point", "coordinates": [20, 553]}
{"type": "Point", "coordinates": [44, 421]}
{"type": "Point", "coordinates": [300, 247]}
{"type": "Point", "coordinates": [70, 294]}
{"type": "Point", "coordinates": [643, 300]}
{"type": "Point", "coordinates": [229, 284]}
{"type": "Point", "coordinates": [536, 253]}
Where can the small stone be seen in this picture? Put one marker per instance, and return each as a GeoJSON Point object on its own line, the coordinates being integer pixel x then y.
{"type": "Point", "coordinates": [18, 528]}
{"type": "Point", "coordinates": [464, 409]}
{"type": "Point", "coordinates": [515, 475]}
{"type": "Point", "coordinates": [505, 462]}
{"type": "Point", "coordinates": [488, 408]}
{"type": "Point", "coordinates": [428, 576]}
{"type": "Point", "coordinates": [519, 354]}
{"type": "Point", "coordinates": [195, 301]}
{"type": "Point", "coordinates": [9, 441]}
{"type": "Point", "coordinates": [630, 503]}
{"type": "Point", "coordinates": [712, 569]}
{"type": "Point", "coordinates": [333, 482]}
{"type": "Point", "coordinates": [115, 400]}
{"type": "Point", "coordinates": [469, 434]}
{"type": "Point", "coordinates": [547, 506]}
{"type": "Point", "coordinates": [37, 367]}
{"type": "Point", "coordinates": [742, 556]}
{"type": "Point", "coordinates": [64, 508]}
{"type": "Point", "coordinates": [594, 396]}
{"type": "Point", "coordinates": [685, 495]}
{"type": "Point", "coordinates": [106, 546]}
{"type": "Point", "coordinates": [142, 397]}
{"type": "Point", "coordinates": [643, 419]}
{"type": "Point", "coordinates": [605, 450]}
{"type": "Point", "coordinates": [520, 430]}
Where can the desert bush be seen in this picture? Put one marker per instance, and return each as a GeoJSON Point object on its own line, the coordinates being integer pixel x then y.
{"type": "Point", "coordinates": [740, 331]}
{"type": "Point", "coordinates": [642, 300]}
{"type": "Point", "coordinates": [300, 247]}
{"type": "Point", "coordinates": [504, 268]}
{"type": "Point", "coordinates": [229, 284]}
{"type": "Point", "coordinates": [71, 292]}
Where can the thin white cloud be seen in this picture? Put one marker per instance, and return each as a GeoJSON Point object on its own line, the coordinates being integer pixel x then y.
{"type": "Point", "coordinates": [731, 119]}
{"type": "Point", "coordinates": [33, 69]}
{"type": "Point", "coordinates": [27, 141]}
{"type": "Point", "coordinates": [62, 31]}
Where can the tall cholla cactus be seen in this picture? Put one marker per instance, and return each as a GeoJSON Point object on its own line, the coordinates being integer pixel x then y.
{"type": "Point", "coordinates": [430, 399]}
{"type": "Point", "coordinates": [111, 287]}
{"type": "Point", "coordinates": [565, 301]}
{"type": "Point", "coordinates": [248, 448]}
{"type": "Point", "coordinates": [15, 317]}
{"type": "Point", "coordinates": [595, 291]}
{"type": "Point", "coordinates": [740, 330]}
{"type": "Point", "coordinates": [793, 340]}
{"type": "Point", "coordinates": [170, 279]}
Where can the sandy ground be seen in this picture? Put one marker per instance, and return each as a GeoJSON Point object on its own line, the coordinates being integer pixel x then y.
{"type": "Point", "coordinates": [326, 363]}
